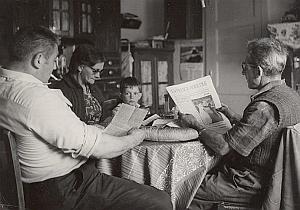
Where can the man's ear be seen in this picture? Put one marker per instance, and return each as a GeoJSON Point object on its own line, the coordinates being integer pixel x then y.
{"type": "Point", "coordinates": [260, 71]}
{"type": "Point", "coordinates": [79, 68]}
{"type": "Point", "coordinates": [38, 60]}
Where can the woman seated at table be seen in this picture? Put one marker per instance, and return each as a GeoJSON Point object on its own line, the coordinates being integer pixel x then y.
{"type": "Point", "coordinates": [78, 84]}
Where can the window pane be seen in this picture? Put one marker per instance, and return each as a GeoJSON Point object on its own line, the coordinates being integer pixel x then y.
{"type": "Point", "coordinates": [161, 92]}
{"type": "Point", "coordinates": [83, 7]}
{"type": "Point", "coordinates": [147, 95]}
{"type": "Point", "coordinates": [83, 23]}
{"type": "Point", "coordinates": [89, 8]}
{"type": "Point", "coordinates": [90, 25]}
{"type": "Point", "coordinates": [65, 21]}
{"type": "Point", "coordinates": [56, 20]}
{"type": "Point", "coordinates": [55, 4]}
{"type": "Point", "coordinates": [65, 5]}
{"type": "Point", "coordinates": [145, 71]}
{"type": "Point", "coordinates": [162, 70]}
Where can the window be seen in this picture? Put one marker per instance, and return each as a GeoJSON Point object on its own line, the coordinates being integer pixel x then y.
{"type": "Point", "coordinates": [86, 20]}
{"type": "Point", "coordinates": [61, 19]}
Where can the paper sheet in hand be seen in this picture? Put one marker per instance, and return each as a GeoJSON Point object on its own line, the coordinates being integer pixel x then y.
{"type": "Point", "coordinates": [126, 118]}
{"type": "Point", "coordinates": [199, 98]}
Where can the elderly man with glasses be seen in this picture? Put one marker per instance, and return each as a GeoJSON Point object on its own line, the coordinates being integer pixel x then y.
{"type": "Point", "coordinates": [249, 148]}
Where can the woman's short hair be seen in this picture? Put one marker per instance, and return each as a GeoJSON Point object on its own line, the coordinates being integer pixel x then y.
{"type": "Point", "coordinates": [129, 82]}
{"type": "Point", "coordinates": [30, 40]}
{"type": "Point", "coordinates": [268, 53]}
{"type": "Point", "coordinates": [84, 54]}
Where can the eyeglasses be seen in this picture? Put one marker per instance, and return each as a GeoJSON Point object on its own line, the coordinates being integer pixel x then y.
{"type": "Point", "coordinates": [95, 71]}
{"type": "Point", "coordinates": [245, 66]}
{"type": "Point", "coordinates": [98, 67]}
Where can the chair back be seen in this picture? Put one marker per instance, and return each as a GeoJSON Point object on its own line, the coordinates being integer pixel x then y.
{"type": "Point", "coordinates": [284, 188]}
{"type": "Point", "coordinates": [283, 191]}
{"type": "Point", "coordinates": [11, 188]}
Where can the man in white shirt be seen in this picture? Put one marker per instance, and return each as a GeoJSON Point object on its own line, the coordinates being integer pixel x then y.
{"type": "Point", "coordinates": [54, 146]}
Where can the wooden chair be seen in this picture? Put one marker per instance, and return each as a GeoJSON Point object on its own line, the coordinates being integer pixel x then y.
{"type": "Point", "coordinates": [11, 188]}
{"type": "Point", "coordinates": [283, 190]}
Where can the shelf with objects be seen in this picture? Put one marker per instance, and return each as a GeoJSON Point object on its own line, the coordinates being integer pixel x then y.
{"type": "Point", "coordinates": [288, 31]}
{"type": "Point", "coordinates": [110, 76]}
{"type": "Point", "coordinates": [289, 34]}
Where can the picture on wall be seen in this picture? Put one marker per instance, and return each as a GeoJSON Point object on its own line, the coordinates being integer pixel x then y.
{"type": "Point", "coordinates": [191, 62]}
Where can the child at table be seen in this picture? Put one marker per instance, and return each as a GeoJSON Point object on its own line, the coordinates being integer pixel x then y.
{"type": "Point", "coordinates": [130, 93]}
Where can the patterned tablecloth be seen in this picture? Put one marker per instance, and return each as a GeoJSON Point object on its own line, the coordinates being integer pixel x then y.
{"type": "Point", "coordinates": [177, 168]}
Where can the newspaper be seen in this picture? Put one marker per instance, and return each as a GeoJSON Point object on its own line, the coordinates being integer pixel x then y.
{"type": "Point", "coordinates": [126, 118]}
{"type": "Point", "coordinates": [199, 98]}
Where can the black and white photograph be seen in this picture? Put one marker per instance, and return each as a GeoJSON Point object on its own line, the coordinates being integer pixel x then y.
{"type": "Point", "coordinates": [149, 104]}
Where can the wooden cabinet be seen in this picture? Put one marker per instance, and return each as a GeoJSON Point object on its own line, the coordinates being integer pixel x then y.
{"type": "Point", "coordinates": [61, 17]}
{"type": "Point", "coordinates": [110, 76]}
{"type": "Point", "coordinates": [96, 20]}
{"type": "Point", "coordinates": [99, 21]}
{"type": "Point", "coordinates": [153, 67]}
{"type": "Point", "coordinates": [108, 25]}
{"type": "Point", "coordinates": [184, 19]}
{"type": "Point", "coordinates": [55, 14]}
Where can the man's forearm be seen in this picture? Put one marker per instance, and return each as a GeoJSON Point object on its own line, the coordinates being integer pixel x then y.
{"type": "Point", "coordinates": [112, 146]}
{"type": "Point", "coordinates": [112, 154]}
{"type": "Point", "coordinates": [214, 141]}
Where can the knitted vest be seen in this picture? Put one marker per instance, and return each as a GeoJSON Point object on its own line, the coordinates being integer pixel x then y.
{"type": "Point", "coordinates": [286, 103]}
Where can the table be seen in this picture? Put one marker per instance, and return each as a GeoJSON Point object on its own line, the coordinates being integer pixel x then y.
{"type": "Point", "coordinates": [175, 167]}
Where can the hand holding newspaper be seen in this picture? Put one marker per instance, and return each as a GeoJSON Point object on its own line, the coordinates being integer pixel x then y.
{"type": "Point", "coordinates": [199, 98]}
{"type": "Point", "coordinates": [126, 118]}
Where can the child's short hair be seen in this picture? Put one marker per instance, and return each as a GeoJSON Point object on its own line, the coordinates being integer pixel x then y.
{"type": "Point", "coordinates": [129, 82]}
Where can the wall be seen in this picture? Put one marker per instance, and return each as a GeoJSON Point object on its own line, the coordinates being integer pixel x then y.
{"type": "Point", "coordinates": [5, 29]}
{"type": "Point", "coordinates": [274, 10]}
{"type": "Point", "coordinates": [151, 12]}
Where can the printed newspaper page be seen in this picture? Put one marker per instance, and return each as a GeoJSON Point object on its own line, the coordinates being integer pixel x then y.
{"type": "Point", "coordinates": [126, 118]}
{"type": "Point", "coordinates": [199, 98]}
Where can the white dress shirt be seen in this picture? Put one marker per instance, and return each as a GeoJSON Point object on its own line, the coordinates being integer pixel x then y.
{"type": "Point", "coordinates": [51, 139]}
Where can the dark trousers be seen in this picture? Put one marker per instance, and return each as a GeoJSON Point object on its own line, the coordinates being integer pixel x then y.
{"type": "Point", "coordinates": [88, 189]}
{"type": "Point", "coordinates": [225, 184]}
